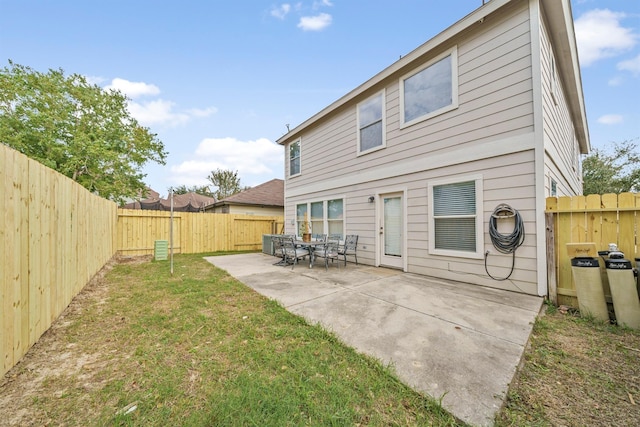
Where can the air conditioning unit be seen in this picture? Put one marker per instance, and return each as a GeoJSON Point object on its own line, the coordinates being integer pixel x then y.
{"type": "Point", "coordinates": [267, 243]}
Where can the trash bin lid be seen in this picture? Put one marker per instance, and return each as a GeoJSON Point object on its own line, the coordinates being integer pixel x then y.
{"type": "Point", "coordinates": [585, 262]}
{"type": "Point", "coordinates": [618, 264]}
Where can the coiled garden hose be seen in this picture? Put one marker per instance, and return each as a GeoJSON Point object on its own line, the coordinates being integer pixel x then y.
{"type": "Point", "coordinates": [505, 243]}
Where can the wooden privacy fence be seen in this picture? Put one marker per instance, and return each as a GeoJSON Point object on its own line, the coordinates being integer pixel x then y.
{"type": "Point", "coordinates": [54, 236]}
{"type": "Point", "coordinates": [192, 232]}
{"type": "Point", "coordinates": [601, 219]}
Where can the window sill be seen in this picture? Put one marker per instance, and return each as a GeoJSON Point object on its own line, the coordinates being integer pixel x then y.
{"type": "Point", "coordinates": [431, 115]}
{"type": "Point", "coordinates": [371, 150]}
{"type": "Point", "coordinates": [456, 254]}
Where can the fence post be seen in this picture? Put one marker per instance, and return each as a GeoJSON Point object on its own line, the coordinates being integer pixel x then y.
{"type": "Point", "coordinates": [552, 285]}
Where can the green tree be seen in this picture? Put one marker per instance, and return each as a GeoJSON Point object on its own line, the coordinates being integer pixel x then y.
{"type": "Point", "coordinates": [616, 170]}
{"type": "Point", "coordinates": [198, 189]}
{"type": "Point", "coordinates": [77, 128]}
{"type": "Point", "coordinates": [226, 182]}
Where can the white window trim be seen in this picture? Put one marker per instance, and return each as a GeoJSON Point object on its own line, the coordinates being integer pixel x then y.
{"type": "Point", "coordinates": [299, 142]}
{"type": "Point", "coordinates": [454, 89]}
{"type": "Point", "coordinates": [479, 253]}
{"type": "Point", "coordinates": [384, 124]}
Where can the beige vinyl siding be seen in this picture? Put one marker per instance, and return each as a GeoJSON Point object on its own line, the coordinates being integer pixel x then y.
{"type": "Point", "coordinates": [561, 146]}
{"type": "Point", "coordinates": [506, 179]}
{"type": "Point", "coordinates": [327, 149]}
{"type": "Point", "coordinates": [553, 173]}
{"type": "Point", "coordinates": [250, 210]}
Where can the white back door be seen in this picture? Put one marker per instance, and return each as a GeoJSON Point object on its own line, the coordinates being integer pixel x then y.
{"type": "Point", "coordinates": [391, 207]}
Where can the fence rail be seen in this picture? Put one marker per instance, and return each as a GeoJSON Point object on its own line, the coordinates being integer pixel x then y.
{"type": "Point", "coordinates": [601, 219]}
{"type": "Point", "coordinates": [192, 232]}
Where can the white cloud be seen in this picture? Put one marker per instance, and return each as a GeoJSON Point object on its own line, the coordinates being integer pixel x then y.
{"type": "Point", "coordinates": [133, 89]}
{"type": "Point", "coordinates": [321, 3]}
{"type": "Point", "coordinates": [155, 112]}
{"type": "Point", "coordinates": [615, 81]}
{"type": "Point", "coordinates": [198, 112]}
{"type": "Point", "coordinates": [252, 159]}
{"type": "Point", "coordinates": [632, 65]}
{"type": "Point", "coordinates": [281, 11]}
{"type": "Point", "coordinates": [315, 23]}
{"type": "Point", "coordinates": [610, 119]}
{"type": "Point", "coordinates": [599, 35]}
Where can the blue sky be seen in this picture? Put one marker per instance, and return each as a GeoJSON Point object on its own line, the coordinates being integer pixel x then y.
{"type": "Point", "coordinates": [219, 81]}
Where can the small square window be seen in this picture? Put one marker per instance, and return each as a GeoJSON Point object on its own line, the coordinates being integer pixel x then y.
{"type": "Point", "coordinates": [371, 124]}
{"type": "Point", "coordinates": [294, 158]}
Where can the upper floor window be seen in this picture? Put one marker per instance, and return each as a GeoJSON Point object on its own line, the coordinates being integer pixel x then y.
{"type": "Point", "coordinates": [294, 158]}
{"type": "Point", "coordinates": [371, 124]}
{"type": "Point", "coordinates": [430, 91]}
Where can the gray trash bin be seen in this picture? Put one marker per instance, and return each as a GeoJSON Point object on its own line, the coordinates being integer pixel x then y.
{"type": "Point", "coordinates": [586, 275]}
{"type": "Point", "coordinates": [623, 290]}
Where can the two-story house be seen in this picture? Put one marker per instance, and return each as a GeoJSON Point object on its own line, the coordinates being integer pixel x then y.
{"type": "Point", "coordinates": [418, 159]}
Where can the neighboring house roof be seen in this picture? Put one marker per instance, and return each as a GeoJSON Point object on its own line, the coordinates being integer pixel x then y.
{"type": "Point", "coordinates": [149, 193]}
{"type": "Point", "coordinates": [559, 16]}
{"type": "Point", "coordinates": [270, 193]}
{"type": "Point", "coordinates": [188, 202]}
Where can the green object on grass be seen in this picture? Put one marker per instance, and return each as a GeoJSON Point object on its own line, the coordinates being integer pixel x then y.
{"type": "Point", "coordinates": [161, 250]}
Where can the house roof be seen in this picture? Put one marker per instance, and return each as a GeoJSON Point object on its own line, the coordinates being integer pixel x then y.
{"type": "Point", "coordinates": [559, 16]}
{"type": "Point", "coordinates": [188, 202]}
{"type": "Point", "coordinates": [270, 193]}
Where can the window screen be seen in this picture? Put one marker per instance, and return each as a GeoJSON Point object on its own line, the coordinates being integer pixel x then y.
{"type": "Point", "coordinates": [428, 90]}
{"type": "Point", "coordinates": [454, 215]}
{"type": "Point", "coordinates": [294, 158]}
{"type": "Point", "coordinates": [370, 121]}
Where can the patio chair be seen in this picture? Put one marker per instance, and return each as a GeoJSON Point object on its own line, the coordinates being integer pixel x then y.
{"type": "Point", "coordinates": [320, 237]}
{"type": "Point", "coordinates": [350, 247]}
{"type": "Point", "coordinates": [278, 249]}
{"type": "Point", "coordinates": [328, 251]}
{"type": "Point", "coordinates": [292, 253]}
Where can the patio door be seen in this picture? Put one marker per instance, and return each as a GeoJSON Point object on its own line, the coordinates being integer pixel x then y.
{"type": "Point", "coordinates": [391, 229]}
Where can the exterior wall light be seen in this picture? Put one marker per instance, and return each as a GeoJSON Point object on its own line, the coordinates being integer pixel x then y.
{"type": "Point", "coordinates": [371, 199]}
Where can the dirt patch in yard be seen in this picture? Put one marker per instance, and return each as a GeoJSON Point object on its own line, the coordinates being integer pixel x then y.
{"type": "Point", "coordinates": [577, 372]}
{"type": "Point", "coordinates": [53, 363]}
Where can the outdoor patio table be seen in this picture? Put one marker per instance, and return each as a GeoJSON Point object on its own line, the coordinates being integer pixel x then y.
{"type": "Point", "coordinates": [311, 246]}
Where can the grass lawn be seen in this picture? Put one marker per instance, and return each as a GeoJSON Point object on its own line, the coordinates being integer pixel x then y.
{"type": "Point", "coordinates": [139, 347]}
{"type": "Point", "coordinates": [142, 347]}
{"type": "Point", "coordinates": [577, 372]}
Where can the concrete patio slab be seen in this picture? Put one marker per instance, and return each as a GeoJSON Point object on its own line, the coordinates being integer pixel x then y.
{"type": "Point", "coordinates": [455, 341]}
